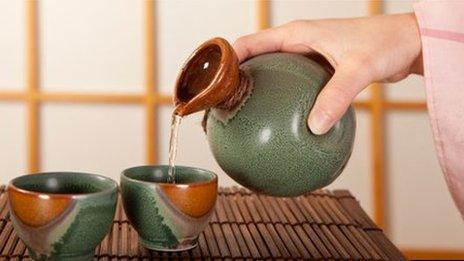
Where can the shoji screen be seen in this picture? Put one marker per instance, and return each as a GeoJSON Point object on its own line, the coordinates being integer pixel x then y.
{"type": "Point", "coordinates": [86, 85]}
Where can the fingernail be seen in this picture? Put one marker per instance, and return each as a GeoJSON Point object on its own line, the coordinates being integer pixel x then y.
{"type": "Point", "coordinates": [318, 122]}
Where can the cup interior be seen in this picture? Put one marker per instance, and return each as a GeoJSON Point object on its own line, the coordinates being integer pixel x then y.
{"type": "Point", "coordinates": [71, 183]}
{"type": "Point", "coordinates": [159, 174]}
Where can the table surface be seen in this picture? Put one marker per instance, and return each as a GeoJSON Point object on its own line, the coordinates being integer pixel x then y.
{"type": "Point", "coordinates": [245, 225]}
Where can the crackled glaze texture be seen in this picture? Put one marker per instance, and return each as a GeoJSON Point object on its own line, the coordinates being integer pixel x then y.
{"type": "Point", "coordinates": [168, 216]}
{"type": "Point", "coordinates": [266, 145]}
{"type": "Point", "coordinates": [62, 216]}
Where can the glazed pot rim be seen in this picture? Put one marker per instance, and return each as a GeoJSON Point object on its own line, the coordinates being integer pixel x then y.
{"type": "Point", "coordinates": [47, 195]}
{"type": "Point", "coordinates": [220, 87]}
{"type": "Point", "coordinates": [179, 185]}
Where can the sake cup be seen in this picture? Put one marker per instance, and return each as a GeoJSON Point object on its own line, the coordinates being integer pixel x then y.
{"type": "Point", "coordinates": [168, 216]}
{"type": "Point", "coordinates": [62, 215]}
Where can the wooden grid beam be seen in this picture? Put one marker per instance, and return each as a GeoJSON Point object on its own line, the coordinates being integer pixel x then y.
{"type": "Point", "coordinates": [165, 99]}
{"type": "Point", "coordinates": [151, 128]}
{"type": "Point", "coordinates": [263, 9]}
{"type": "Point", "coordinates": [12, 96]}
{"type": "Point", "coordinates": [362, 105]}
{"type": "Point", "coordinates": [89, 97]}
{"type": "Point", "coordinates": [377, 152]}
{"type": "Point", "coordinates": [377, 144]}
{"type": "Point", "coordinates": [161, 99]}
{"type": "Point", "coordinates": [405, 105]}
{"type": "Point", "coordinates": [32, 86]}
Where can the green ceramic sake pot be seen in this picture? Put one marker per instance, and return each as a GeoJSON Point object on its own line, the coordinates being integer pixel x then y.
{"type": "Point", "coordinates": [258, 133]}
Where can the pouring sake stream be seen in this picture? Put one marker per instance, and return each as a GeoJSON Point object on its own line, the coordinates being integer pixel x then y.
{"type": "Point", "coordinates": [256, 118]}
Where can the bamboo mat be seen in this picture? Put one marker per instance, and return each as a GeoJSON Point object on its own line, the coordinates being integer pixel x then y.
{"type": "Point", "coordinates": [321, 225]}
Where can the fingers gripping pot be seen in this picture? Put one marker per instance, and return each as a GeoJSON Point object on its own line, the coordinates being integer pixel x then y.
{"type": "Point", "coordinates": [256, 120]}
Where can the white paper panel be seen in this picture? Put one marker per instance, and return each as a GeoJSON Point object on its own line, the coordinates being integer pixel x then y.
{"type": "Point", "coordinates": [183, 25]}
{"type": "Point", "coordinates": [92, 45]}
{"type": "Point", "coordinates": [363, 95]}
{"type": "Point", "coordinates": [411, 88]}
{"type": "Point", "coordinates": [398, 6]}
{"type": "Point", "coordinates": [422, 211]}
{"type": "Point", "coordinates": [284, 11]}
{"type": "Point", "coordinates": [357, 176]}
{"type": "Point", "coordinates": [12, 140]}
{"type": "Point", "coordinates": [11, 44]}
{"type": "Point", "coordinates": [193, 148]}
{"type": "Point", "coordinates": [92, 138]}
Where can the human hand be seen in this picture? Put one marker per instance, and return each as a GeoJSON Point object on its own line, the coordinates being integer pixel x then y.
{"type": "Point", "coordinates": [361, 50]}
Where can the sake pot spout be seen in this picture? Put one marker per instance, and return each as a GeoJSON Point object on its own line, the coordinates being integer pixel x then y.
{"type": "Point", "coordinates": [208, 79]}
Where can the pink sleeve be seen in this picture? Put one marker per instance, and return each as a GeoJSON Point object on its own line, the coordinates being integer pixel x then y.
{"type": "Point", "coordinates": [441, 25]}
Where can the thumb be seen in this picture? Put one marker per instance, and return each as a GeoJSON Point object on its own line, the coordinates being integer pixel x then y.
{"type": "Point", "coordinates": [335, 98]}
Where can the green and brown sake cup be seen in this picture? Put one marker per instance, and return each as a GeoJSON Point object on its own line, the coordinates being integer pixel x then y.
{"type": "Point", "coordinates": [168, 216]}
{"type": "Point", "coordinates": [62, 215]}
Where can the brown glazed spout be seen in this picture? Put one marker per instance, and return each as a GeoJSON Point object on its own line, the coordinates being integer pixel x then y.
{"type": "Point", "coordinates": [209, 78]}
